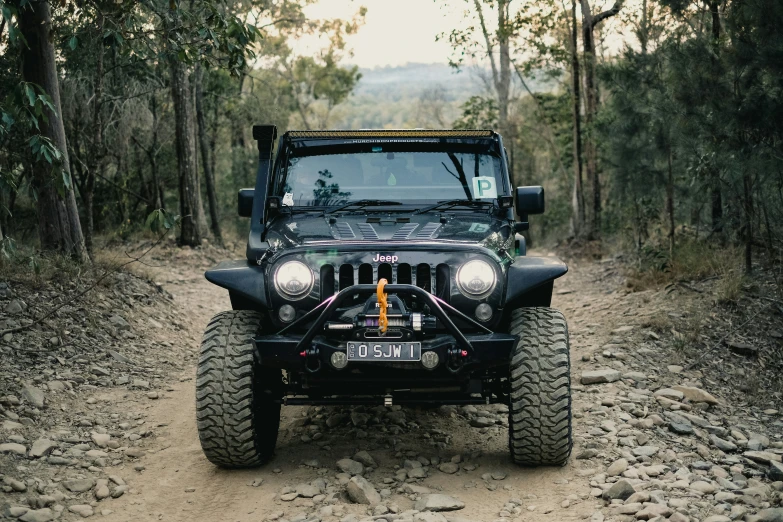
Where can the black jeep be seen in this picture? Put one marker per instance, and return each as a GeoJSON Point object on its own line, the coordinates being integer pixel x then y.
{"type": "Point", "coordinates": [384, 267]}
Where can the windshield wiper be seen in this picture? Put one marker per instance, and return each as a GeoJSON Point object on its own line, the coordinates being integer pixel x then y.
{"type": "Point", "coordinates": [363, 203]}
{"type": "Point", "coordinates": [455, 203]}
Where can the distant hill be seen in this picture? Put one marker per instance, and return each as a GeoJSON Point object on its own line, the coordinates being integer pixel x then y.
{"type": "Point", "coordinates": [407, 96]}
{"type": "Point", "coordinates": [412, 95]}
{"type": "Point", "coordinates": [410, 80]}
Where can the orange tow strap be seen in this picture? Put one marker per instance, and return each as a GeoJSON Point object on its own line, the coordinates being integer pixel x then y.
{"type": "Point", "coordinates": [383, 321]}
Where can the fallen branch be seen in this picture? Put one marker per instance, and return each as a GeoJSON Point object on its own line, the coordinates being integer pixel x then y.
{"type": "Point", "coordinates": [689, 287]}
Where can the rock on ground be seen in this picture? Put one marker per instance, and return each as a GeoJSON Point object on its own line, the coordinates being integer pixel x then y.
{"type": "Point", "coordinates": [38, 515]}
{"type": "Point", "coordinates": [350, 466]}
{"type": "Point", "coordinates": [33, 395]}
{"type": "Point", "coordinates": [694, 394]}
{"type": "Point", "coordinates": [79, 485]}
{"type": "Point", "coordinates": [622, 489]}
{"type": "Point", "coordinates": [13, 447]}
{"type": "Point", "coordinates": [42, 447]}
{"type": "Point", "coordinates": [361, 491]}
{"type": "Point", "coordinates": [438, 502]}
{"type": "Point", "coordinates": [600, 376]}
{"type": "Point", "coordinates": [85, 510]}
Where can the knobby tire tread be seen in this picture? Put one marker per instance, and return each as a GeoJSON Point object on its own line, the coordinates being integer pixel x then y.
{"type": "Point", "coordinates": [540, 389]}
{"type": "Point", "coordinates": [237, 412]}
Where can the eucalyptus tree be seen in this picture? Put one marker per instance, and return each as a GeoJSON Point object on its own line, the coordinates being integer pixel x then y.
{"type": "Point", "coordinates": [484, 38]}
{"type": "Point", "coordinates": [320, 82]}
{"type": "Point", "coordinates": [30, 31]}
{"type": "Point", "coordinates": [590, 22]}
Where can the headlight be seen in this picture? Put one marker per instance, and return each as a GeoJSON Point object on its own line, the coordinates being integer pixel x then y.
{"type": "Point", "coordinates": [476, 277]}
{"type": "Point", "coordinates": [294, 279]}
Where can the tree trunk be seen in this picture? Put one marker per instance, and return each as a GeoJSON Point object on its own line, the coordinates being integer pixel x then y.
{"type": "Point", "coordinates": [209, 174]}
{"type": "Point", "coordinates": [717, 202]}
{"type": "Point", "coordinates": [152, 156]}
{"type": "Point", "coordinates": [147, 190]}
{"type": "Point", "coordinates": [202, 225]}
{"type": "Point", "coordinates": [190, 231]}
{"type": "Point", "coordinates": [593, 210]}
{"type": "Point", "coordinates": [747, 186]}
{"type": "Point", "coordinates": [213, 138]}
{"type": "Point", "coordinates": [644, 29]}
{"type": "Point", "coordinates": [670, 203]}
{"type": "Point", "coordinates": [717, 199]}
{"type": "Point", "coordinates": [58, 216]}
{"type": "Point", "coordinates": [577, 200]}
{"type": "Point", "coordinates": [501, 72]}
{"type": "Point", "coordinates": [593, 201]}
{"type": "Point", "coordinates": [503, 82]}
{"type": "Point", "coordinates": [96, 158]}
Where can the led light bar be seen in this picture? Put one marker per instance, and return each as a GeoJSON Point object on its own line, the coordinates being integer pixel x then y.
{"type": "Point", "coordinates": [392, 133]}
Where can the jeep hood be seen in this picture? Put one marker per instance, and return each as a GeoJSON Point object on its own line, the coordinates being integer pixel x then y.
{"type": "Point", "coordinates": [303, 229]}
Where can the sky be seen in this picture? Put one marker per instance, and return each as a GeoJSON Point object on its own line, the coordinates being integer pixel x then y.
{"type": "Point", "coordinates": [396, 32]}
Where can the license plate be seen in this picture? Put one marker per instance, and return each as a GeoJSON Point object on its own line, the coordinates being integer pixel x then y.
{"type": "Point", "coordinates": [383, 351]}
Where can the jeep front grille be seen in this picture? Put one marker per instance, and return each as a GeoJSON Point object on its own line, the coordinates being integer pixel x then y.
{"type": "Point", "coordinates": [432, 278]}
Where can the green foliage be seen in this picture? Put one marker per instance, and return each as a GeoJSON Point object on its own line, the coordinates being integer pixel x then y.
{"type": "Point", "coordinates": [22, 111]}
{"type": "Point", "coordinates": [7, 249]}
{"type": "Point", "coordinates": [160, 220]}
{"type": "Point", "coordinates": [315, 84]}
{"type": "Point", "coordinates": [120, 140]}
{"type": "Point", "coordinates": [714, 108]}
{"type": "Point", "coordinates": [478, 113]}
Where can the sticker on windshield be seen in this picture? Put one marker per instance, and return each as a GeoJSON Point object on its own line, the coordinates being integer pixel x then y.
{"type": "Point", "coordinates": [484, 187]}
{"type": "Point", "coordinates": [288, 199]}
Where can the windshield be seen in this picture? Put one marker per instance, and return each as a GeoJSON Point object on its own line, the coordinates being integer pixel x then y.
{"type": "Point", "coordinates": [407, 177]}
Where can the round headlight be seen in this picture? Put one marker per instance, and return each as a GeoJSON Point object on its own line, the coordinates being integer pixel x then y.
{"type": "Point", "coordinates": [476, 277]}
{"type": "Point", "coordinates": [294, 279]}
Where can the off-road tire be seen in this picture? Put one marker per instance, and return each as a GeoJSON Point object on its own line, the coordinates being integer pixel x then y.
{"type": "Point", "coordinates": [237, 411]}
{"type": "Point", "coordinates": [539, 416]}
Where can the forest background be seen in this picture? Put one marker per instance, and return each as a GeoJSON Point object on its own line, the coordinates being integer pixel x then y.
{"type": "Point", "coordinates": [655, 126]}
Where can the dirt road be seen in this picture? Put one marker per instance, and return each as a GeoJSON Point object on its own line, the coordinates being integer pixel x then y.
{"type": "Point", "coordinates": [178, 483]}
{"type": "Point", "coordinates": [614, 424]}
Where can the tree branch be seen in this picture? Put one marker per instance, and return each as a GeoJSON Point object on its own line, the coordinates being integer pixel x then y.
{"type": "Point", "coordinates": [600, 17]}
{"type": "Point", "coordinates": [490, 47]}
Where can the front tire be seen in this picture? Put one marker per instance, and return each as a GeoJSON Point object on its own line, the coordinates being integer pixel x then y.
{"type": "Point", "coordinates": [237, 399]}
{"type": "Point", "coordinates": [539, 419]}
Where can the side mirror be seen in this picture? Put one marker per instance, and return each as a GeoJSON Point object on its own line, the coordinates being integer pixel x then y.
{"type": "Point", "coordinates": [245, 202]}
{"type": "Point", "coordinates": [530, 200]}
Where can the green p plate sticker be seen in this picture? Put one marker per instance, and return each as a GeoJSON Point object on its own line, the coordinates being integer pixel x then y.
{"type": "Point", "coordinates": [484, 187]}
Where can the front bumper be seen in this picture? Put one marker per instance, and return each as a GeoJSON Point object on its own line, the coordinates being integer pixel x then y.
{"type": "Point", "coordinates": [488, 350]}
{"type": "Point", "coordinates": [459, 354]}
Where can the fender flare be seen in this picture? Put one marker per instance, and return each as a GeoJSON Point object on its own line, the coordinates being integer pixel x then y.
{"type": "Point", "coordinates": [529, 273]}
{"type": "Point", "coordinates": [242, 279]}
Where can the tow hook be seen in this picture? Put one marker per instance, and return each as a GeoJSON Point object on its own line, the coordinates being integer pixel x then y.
{"type": "Point", "coordinates": [456, 359]}
{"type": "Point", "coordinates": [311, 356]}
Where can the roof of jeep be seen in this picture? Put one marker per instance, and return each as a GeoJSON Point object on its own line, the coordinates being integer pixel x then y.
{"type": "Point", "coordinates": [388, 134]}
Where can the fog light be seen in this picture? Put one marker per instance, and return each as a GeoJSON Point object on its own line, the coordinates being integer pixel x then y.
{"type": "Point", "coordinates": [430, 360]}
{"type": "Point", "coordinates": [287, 313]}
{"type": "Point", "coordinates": [339, 360]}
{"type": "Point", "coordinates": [483, 312]}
